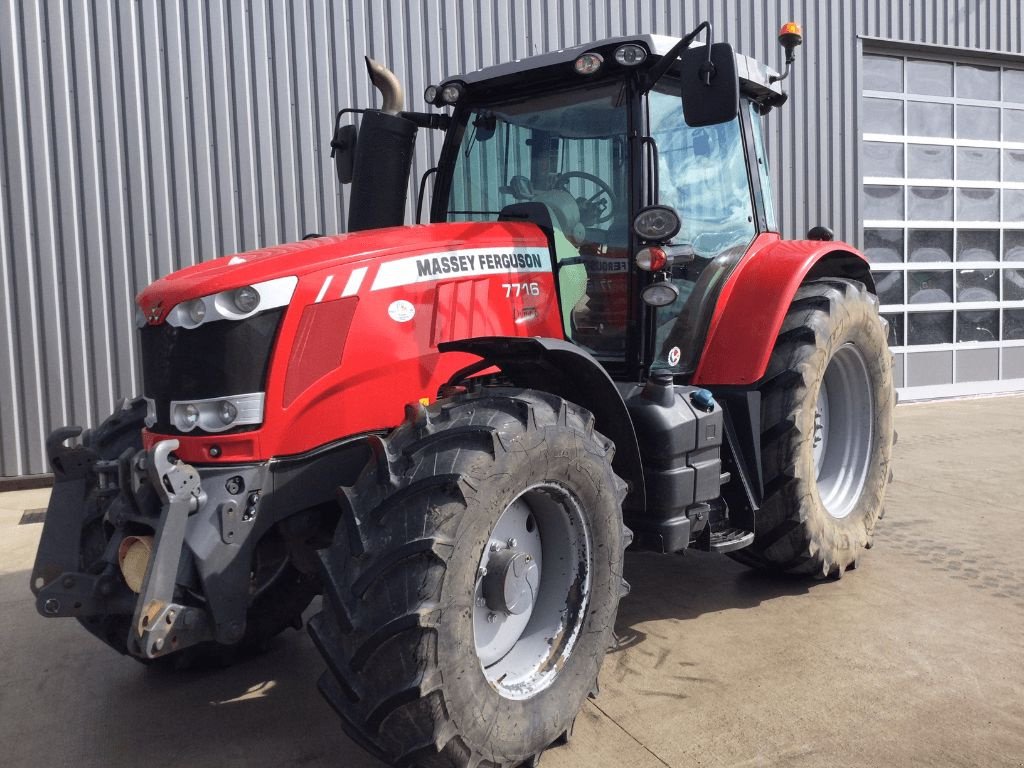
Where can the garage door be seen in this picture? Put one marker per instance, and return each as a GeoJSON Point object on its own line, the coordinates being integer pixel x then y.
{"type": "Point", "coordinates": [942, 159]}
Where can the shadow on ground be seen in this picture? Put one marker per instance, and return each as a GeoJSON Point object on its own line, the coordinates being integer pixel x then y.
{"type": "Point", "coordinates": [268, 705]}
{"type": "Point", "coordinates": [103, 709]}
{"type": "Point", "coordinates": [683, 587]}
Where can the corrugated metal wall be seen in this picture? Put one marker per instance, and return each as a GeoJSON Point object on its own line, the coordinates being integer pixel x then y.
{"type": "Point", "coordinates": [140, 137]}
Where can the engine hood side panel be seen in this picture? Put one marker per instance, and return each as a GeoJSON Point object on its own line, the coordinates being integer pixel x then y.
{"type": "Point", "coordinates": [323, 255]}
{"type": "Point", "coordinates": [448, 282]}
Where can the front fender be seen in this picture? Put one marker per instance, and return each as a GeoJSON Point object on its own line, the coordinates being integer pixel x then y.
{"type": "Point", "coordinates": [755, 299]}
{"type": "Point", "coordinates": [566, 370]}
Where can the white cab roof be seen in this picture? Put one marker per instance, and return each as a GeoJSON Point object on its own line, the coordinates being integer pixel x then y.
{"type": "Point", "coordinates": [748, 69]}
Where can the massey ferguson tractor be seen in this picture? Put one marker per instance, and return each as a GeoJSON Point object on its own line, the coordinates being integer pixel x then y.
{"type": "Point", "coordinates": [452, 430]}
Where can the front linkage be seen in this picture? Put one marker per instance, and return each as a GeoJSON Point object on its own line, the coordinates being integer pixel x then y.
{"type": "Point", "coordinates": [145, 499]}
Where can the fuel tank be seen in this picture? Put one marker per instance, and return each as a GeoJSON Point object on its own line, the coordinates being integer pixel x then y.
{"type": "Point", "coordinates": [679, 432]}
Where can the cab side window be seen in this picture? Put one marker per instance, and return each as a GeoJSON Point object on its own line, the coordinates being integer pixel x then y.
{"type": "Point", "coordinates": [702, 174]}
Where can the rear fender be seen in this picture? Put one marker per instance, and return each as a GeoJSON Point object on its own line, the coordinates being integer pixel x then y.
{"type": "Point", "coordinates": [563, 369]}
{"type": "Point", "coordinates": [754, 302]}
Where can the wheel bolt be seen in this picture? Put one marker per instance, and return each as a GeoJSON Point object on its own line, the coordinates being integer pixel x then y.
{"type": "Point", "coordinates": [491, 617]}
{"type": "Point", "coordinates": [158, 645]}
{"type": "Point", "coordinates": [495, 546]}
{"type": "Point", "coordinates": [512, 543]}
{"type": "Point", "coordinates": [51, 606]}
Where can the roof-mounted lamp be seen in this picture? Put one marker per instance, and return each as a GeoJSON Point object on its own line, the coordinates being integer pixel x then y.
{"type": "Point", "coordinates": [790, 36]}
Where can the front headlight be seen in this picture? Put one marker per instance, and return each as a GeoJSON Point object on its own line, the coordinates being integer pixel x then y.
{"type": "Point", "coordinates": [227, 411]}
{"type": "Point", "coordinates": [196, 311]}
{"type": "Point", "coordinates": [218, 413]}
{"type": "Point", "coordinates": [234, 304]}
{"type": "Point", "coordinates": [246, 299]}
{"type": "Point", "coordinates": [188, 416]}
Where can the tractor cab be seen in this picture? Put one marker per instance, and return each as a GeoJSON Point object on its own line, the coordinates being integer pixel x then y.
{"type": "Point", "coordinates": [583, 141]}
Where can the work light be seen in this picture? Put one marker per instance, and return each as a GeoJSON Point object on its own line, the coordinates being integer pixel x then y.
{"type": "Point", "coordinates": [657, 223]}
{"type": "Point", "coordinates": [630, 54]}
{"type": "Point", "coordinates": [588, 63]}
{"type": "Point", "coordinates": [659, 294]}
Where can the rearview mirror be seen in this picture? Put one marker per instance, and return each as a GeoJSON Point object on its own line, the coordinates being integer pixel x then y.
{"type": "Point", "coordinates": [711, 88]}
{"type": "Point", "coordinates": [343, 149]}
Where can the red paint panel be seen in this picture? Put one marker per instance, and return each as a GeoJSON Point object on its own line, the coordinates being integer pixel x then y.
{"type": "Point", "coordinates": [752, 306]}
{"type": "Point", "coordinates": [317, 254]}
{"type": "Point", "coordinates": [319, 343]}
{"type": "Point", "coordinates": [241, 446]}
{"type": "Point", "coordinates": [385, 361]}
{"type": "Point", "coordinates": [455, 309]}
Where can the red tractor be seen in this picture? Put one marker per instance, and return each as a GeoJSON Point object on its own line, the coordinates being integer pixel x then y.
{"type": "Point", "coordinates": [453, 430]}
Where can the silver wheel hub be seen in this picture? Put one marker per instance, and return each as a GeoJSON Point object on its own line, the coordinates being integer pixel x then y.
{"type": "Point", "coordinates": [532, 590]}
{"type": "Point", "coordinates": [843, 431]}
{"type": "Point", "coordinates": [511, 581]}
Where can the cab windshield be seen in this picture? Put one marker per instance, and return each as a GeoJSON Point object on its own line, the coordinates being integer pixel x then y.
{"type": "Point", "coordinates": [567, 150]}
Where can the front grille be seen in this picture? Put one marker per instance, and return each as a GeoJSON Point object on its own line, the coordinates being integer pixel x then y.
{"type": "Point", "coordinates": [223, 357]}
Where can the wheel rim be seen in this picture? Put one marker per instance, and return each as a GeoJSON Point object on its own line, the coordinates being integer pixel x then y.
{"type": "Point", "coordinates": [843, 418]}
{"type": "Point", "coordinates": [532, 590]}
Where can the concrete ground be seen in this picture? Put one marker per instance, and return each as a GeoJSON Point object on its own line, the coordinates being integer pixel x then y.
{"type": "Point", "coordinates": [915, 659]}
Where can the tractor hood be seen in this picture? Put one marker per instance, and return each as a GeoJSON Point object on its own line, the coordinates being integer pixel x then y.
{"type": "Point", "coordinates": [296, 260]}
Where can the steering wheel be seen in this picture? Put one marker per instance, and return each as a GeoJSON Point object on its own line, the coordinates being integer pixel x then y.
{"type": "Point", "coordinates": [599, 207]}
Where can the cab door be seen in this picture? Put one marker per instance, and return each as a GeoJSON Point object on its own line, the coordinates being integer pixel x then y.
{"type": "Point", "coordinates": [703, 174]}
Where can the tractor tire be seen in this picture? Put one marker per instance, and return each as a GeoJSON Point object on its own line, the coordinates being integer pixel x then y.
{"type": "Point", "coordinates": [826, 433]}
{"type": "Point", "coordinates": [277, 603]}
{"type": "Point", "coordinates": [433, 657]}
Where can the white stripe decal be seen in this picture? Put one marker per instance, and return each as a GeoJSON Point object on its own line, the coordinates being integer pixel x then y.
{"type": "Point", "coordinates": [355, 280]}
{"type": "Point", "coordinates": [323, 289]}
{"type": "Point", "coordinates": [448, 265]}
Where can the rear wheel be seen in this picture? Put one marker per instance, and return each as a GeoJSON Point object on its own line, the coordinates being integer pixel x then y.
{"type": "Point", "coordinates": [827, 432]}
{"type": "Point", "coordinates": [472, 587]}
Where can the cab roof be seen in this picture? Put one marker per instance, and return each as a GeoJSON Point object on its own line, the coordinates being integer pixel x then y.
{"type": "Point", "coordinates": [755, 78]}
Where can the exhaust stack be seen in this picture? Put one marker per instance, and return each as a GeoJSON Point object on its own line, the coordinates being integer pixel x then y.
{"type": "Point", "coordinates": [383, 158]}
{"type": "Point", "coordinates": [386, 81]}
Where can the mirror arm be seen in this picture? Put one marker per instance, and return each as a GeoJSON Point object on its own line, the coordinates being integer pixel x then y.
{"type": "Point", "coordinates": [653, 75]}
{"type": "Point", "coordinates": [337, 124]}
{"type": "Point", "coordinates": [434, 120]}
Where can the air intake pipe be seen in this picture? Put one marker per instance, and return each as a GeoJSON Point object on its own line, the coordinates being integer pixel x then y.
{"type": "Point", "coordinates": [383, 158]}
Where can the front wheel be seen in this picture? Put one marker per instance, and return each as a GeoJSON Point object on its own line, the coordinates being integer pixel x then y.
{"type": "Point", "coordinates": [827, 432]}
{"type": "Point", "coordinates": [472, 588]}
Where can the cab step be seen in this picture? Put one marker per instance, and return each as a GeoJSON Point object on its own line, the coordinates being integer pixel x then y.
{"type": "Point", "coordinates": [730, 539]}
